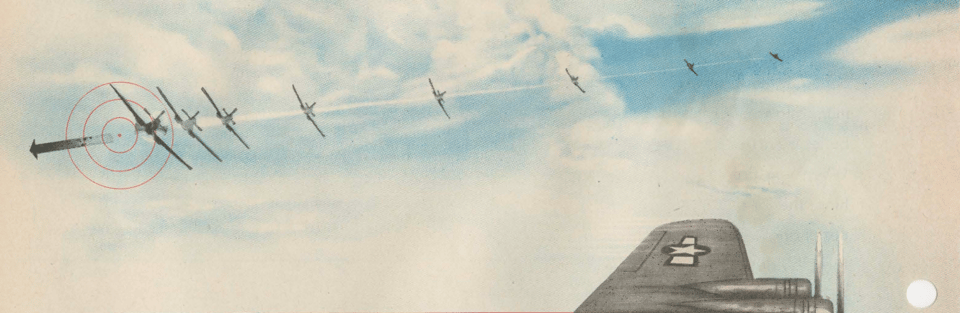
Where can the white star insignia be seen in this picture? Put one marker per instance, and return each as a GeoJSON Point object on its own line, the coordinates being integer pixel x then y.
{"type": "Point", "coordinates": [688, 250]}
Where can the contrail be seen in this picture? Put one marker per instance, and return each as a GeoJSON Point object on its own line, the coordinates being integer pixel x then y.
{"type": "Point", "coordinates": [355, 105]}
{"type": "Point", "coordinates": [484, 92]}
{"type": "Point", "coordinates": [261, 116]}
{"type": "Point", "coordinates": [642, 73]}
{"type": "Point", "coordinates": [676, 68]}
{"type": "Point", "coordinates": [728, 62]}
{"type": "Point", "coordinates": [210, 121]}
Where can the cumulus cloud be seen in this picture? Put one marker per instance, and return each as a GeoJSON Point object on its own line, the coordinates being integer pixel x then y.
{"type": "Point", "coordinates": [921, 40]}
{"type": "Point", "coordinates": [638, 19]}
{"type": "Point", "coordinates": [755, 14]}
{"type": "Point", "coordinates": [853, 155]}
{"type": "Point", "coordinates": [589, 179]}
{"type": "Point", "coordinates": [632, 28]}
{"type": "Point", "coordinates": [76, 37]}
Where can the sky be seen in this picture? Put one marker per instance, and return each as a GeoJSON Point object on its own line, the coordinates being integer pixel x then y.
{"type": "Point", "coordinates": [526, 199]}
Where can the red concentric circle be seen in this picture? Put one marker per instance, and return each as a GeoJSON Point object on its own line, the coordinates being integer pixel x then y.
{"type": "Point", "coordinates": [87, 148]}
{"type": "Point", "coordinates": [104, 185]}
{"type": "Point", "coordinates": [104, 129]}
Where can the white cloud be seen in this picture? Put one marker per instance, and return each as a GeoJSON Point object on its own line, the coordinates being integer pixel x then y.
{"type": "Point", "coordinates": [613, 22]}
{"type": "Point", "coordinates": [928, 39]}
{"type": "Point", "coordinates": [84, 73]}
{"type": "Point", "coordinates": [476, 238]}
{"type": "Point", "coordinates": [367, 72]}
{"type": "Point", "coordinates": [798, 92]}
{"type": "Point", "coordinates": [92, 37]}
{"type": "Point", "coordinates": [874, 159]}
{"type": "Point", "coordinates": [762, 13]}
{"type": "Point", "coordinates": [237, 7]}
{"type": "Point", "coordinates": [798, 82]}
{"type": "Point", "coordinates": [637, 19]}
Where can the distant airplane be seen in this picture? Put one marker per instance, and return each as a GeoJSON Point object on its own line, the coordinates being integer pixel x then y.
{"type": "Point", "coordinates": [225, 118]}
{"type": "Point", "coordinates": [574, 80]}
{"type": "Point", "coordinates": [308, 111]}
{"type": "Point", "coordinates": [690, 66]}
{"type": "Point", "coordinates": [150, 128]}
{"type": "Point", "coordinates": [188, 124]}
{"type": "Point", "coordinates": [776, 56]}
{"type": "Point", "coordinates": [439, 97]}
{"type": "Point", "coordinates": [702, 266]}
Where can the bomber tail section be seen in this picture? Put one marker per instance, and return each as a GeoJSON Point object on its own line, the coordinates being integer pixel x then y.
{"type": "Point", "coordinates": [701, 266]}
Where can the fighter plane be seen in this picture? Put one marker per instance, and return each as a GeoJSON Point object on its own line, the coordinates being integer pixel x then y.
{"type": "Point", "coordinates": [439, 96]}
{"type": "Point", "coordinates": [702, 266]}
{"type": "Point", "coordinates": [574, 80]}
{"type": "Point", "coordinates": [308, 111]}
{"type": "Point", "coordinates": [150, 128]}
{"type": "Point", "coordinates": [225, 118]}
{"type": "Point", "coordinates": [690, 66]}
{"type": "Point", "coordinates": [188, 124]}
{"type": "Point", "coordinates": [776, 56]}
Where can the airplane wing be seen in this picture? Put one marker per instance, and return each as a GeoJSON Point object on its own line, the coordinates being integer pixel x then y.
{"type": "Point", "coordinates": [177, 116]}
{"type": "Point", "coordinates": [444, 109]}
{"type": "Point", "coordinates": [315, 125]}
{"type": "Point", "coordinates": [694, 72]}
{"type": "Point", "coordinates": [238, 136]}
{"type": "Point", "coordinates": [165, 146]}
{"type": "Point", "coordinates": [135, 116]}
{"type": "Point", "coordinates": [215, 108]}
{"type": "Point", "coordinates": [298, 96]}
{"type": "Point", "coordinates": [578, 87]}
{"type": "Point", "coordinates": [431, 86]}
{"type": "Point", "coordinates": [195, 136]}
{"type": "Point", "coordinates": [674, 254]}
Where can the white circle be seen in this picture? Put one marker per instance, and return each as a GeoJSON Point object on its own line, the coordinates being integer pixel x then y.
{"type": "Point", "coordinates": [921, 293]}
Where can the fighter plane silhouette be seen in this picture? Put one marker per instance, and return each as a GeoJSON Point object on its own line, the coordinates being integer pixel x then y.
{"type": "Point", "coordinates": [776, 56]}
{"type": "Point", "coordinates": [690, 66]}
{"type": "Point", "coordinates": [575, 80]}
